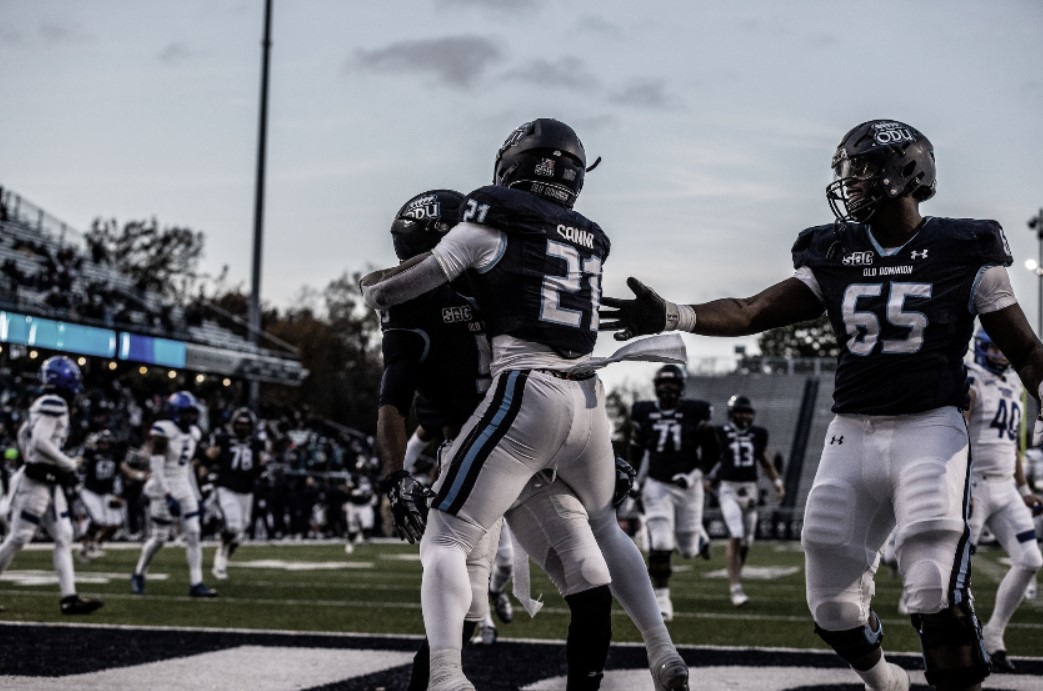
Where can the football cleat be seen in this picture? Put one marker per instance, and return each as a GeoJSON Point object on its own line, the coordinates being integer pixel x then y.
{"type": "Point", "coordinates": [349, 548]}
{"type": "Point", "coordinates": [739, 598]}
{"type": "Point", "coordinates": [666, 607]}
{"type": "Point", "coordinates": [200, 590]}
{"type": "Point", "coordinates": [486, 634]}
{"type": "Point", "coordinates": [1000, 662]}
{"type": "Point", "coordinates": [137, 583]}
{"type": "Point", "coordinates": [83, 555]}
{"type": "Point", "coordinates": [671, 674]}
{"type": "Point", "coordinates": [74, 604]}
{"type": "Point", "coordinates": [704, 548]}
{"type": "Point", "coordinates": [1030, 589]}
{"type": "Point", "coordinates": [502, 605]}
{"type": "Point", "coordinates": [220, 574]}
{"type": "Point", "coordinates": [899, 679]}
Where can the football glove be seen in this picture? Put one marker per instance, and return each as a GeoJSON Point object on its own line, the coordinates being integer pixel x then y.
{"type": "Point", "coordinates": [647, 313]}
{"type": "Point", "coordinates": [625, 481]}
{"type": "Point", "coordinates": [408, 498]}
{"type": "Point", "coordinates": [173, 506]}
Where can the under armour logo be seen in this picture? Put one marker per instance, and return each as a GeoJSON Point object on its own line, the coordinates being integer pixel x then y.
{"type": "Point", "coordinates": [836, 440]}
{"type": "Point", "coordinates": [919, 254]}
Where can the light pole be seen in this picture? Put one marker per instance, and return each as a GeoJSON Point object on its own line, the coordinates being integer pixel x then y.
{"type": "Point", "coordinates": [1036, 224]}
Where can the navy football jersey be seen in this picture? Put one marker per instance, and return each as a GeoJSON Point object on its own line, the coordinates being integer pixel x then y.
{"type": "Point", "coordinates": [238, 463]}
{"type": "Point", "coordinates": [677, 441]}
{"type": "Point", "coordinates": [903, 318]}
{"type": "Point", "coordinates": [546, 287]}
{"type": "Point", "coordinates": [740, 449]}
{"type": "Point", "coordinates": [99, 471]}
{"type": "Point", "coordinates": [435, 347]}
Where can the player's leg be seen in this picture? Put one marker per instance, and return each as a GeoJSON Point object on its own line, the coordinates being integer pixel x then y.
{"type": "Point", "coordinates": [231, 523]}
{"type": "Point", "coordinates": [551, 526]}
{"type": "Point", "coordinates": [847, 518]}
{"type": "Point", "coordinates": [192, 529]}
{"type": "Point", "coordinates": [659, 519]}
{"type": "Point", "coordinates": [28, 506]}
{"type": "Point", "coordinates": [1012, 526]}
{"type": "Point", "coordinates": [523, 419]}
{"type": "Point", "coordinates": [734, 521]}
{"type": "Point", "coordinates": [57, 522]}
{"type": "Point", "coordinates": [933, 545]}
{"type": "Point", "coordinates": [593, 481]}
{"type": "Point", "coordinates": [479, 562]}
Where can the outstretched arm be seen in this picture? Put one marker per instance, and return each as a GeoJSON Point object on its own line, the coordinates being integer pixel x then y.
{"type": "Point", "coordinates": [787, 302]}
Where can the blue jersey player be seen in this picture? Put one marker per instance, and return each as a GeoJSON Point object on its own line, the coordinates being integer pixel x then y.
{"type": "Point", "coordinates": [901, 291]}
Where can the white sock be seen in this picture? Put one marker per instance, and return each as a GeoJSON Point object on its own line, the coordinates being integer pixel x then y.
{"type": "Point", "coordinates": [63, 566]}
{"type": "Point", "coordinates": [633, 591]}
{"type": "Point", "coordinates": [151, 546]}
{"type": "Point", "coordinates": [414, 447]}
{"type": "Point", "coordinates": [879, 676]}
{"type": "Point", "coordinates": [194, 555]}
{"type": "Point", "coordinates": [1009, 595]}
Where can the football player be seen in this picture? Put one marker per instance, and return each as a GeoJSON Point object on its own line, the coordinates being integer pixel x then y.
{"type": "Point", "coordinates": [1003, 501]}
{"type": "Point", "coordinates": [671, 442]}
{"type": "Point", "coordinates": [901, 291]}
{"type": "Point", "coordinates": [173, 492]}
{"type": "Point", "coordinates": [236, 457]}
{"type": "Point", "coordinates": [436, 355]}
{"type": "Point", "coordinates": [534, 265]}
{"type": "Point", "coordinates": [743, 446]}
{"type": "Point", "coordinates": [39, 497]}
{"type": "Point", "coordinates": [104, 507]}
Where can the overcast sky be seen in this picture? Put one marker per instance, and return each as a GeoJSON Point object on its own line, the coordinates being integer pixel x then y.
{"type": "Point", "coordinates": [716, 121]}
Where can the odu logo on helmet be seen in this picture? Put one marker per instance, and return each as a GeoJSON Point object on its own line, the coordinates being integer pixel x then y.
{"type": "Point", "coordinates": [864, 258]}
{"type": "Point", "coordinates": [892, 133]}
{"type": "Point", "coordinates": [423, 208]}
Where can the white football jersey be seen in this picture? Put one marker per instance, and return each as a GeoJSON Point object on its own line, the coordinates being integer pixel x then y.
{"type": "Point", "coordinates": [48, 415]}
{"type": "Point", "coordinates": [181, 448]}
{"type": "Point", "coordinates": [995, 420]}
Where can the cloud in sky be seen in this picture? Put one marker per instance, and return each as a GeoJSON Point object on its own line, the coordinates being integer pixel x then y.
{"type": "Point", "coordinates": [175, 53]}
{"type": "Point", "coordinates": [570, 72]}
{"type": "Point", "coordinates": [458, 61]}
{"type": "Point", "coordinates": [511, 6]}
{"type": "Point", "coordinates": [645, 93]}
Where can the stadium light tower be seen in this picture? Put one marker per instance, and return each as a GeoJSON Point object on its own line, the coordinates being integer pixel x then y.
{"type": "Point", "coordinates": [262, 140]}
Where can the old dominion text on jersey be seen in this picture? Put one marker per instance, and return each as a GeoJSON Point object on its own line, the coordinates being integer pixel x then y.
{"type": "Point", "coordinates": [903, 316]}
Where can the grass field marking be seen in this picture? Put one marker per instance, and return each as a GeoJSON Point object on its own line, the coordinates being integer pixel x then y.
{"type": "Point", "coordinates": [35, 577]}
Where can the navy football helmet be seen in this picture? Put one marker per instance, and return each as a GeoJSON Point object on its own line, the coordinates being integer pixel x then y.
{"type": "Point", "coordinates": [242, 423]}
{"type": "Point", "coordinates": [423, 220]}
{"type": "Point", "coordinates": [183, 409]}
{"type": "Point", "coordinates": [988, 355]}
{"type": "Point", "coordinates": [60, 375]}
{"type": "Point", "coordinates": [545, 157]}
{"type": "Point", "coordinates": [669, 382]}
{"type": "Point", "coordinates": [740, 411]}
{"type": "Point", "coordinates": [876, 161]}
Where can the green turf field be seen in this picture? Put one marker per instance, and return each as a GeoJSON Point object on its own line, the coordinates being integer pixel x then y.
{"type": "Point", "coordinates": [317, 587]}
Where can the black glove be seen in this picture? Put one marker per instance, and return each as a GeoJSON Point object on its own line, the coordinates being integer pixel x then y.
{"type": "Point", "coordinates": [625, 476]}
{"type": "Point", "coordinates": [647, 313]}
{"type": "Point", "coordinates": [173, 506]}
{"type": "Point", "coordinates": [408, 498]}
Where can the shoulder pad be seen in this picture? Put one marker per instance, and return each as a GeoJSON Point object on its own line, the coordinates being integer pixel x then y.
{"type": "Point", "coordinates": [698, 408]}
{"type": "Point", "coordinates": [501, 207]}
{"type": "Point", "coordinates": [163, 428]}
{"type": "Point", "coordinates": [50, 404]}
{"type": "Point", "coordinates": [981, 241]}
{"type": "Point", "coordinates": [814, 245]}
